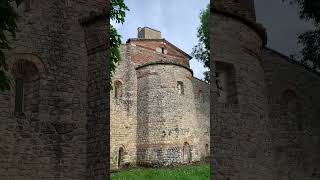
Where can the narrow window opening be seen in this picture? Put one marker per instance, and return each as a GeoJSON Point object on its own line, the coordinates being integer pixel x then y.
{"type": "Point", "coordinates": [120, 157]}
{"type": "Point", "coordinates": [225, 82]}
{"type": "Point", "coordinates": [219, 82]}
{"type": "Point", "coordinates": [19, 96]}
{"type": "Point", "coordinates": [162, 50]}
{"type": "Point", "coordinates": [207, 150]}
{"type": "Point", "coordinates": [27, 87]}
{"type": "Point", "coordinates": [117, 89]}
{"type": "Point", "coordinates": [180, 87]}
{"type": "Point", "coordinates": [186, 153]}
{"type": "Point", "coordinates": [27, 5]}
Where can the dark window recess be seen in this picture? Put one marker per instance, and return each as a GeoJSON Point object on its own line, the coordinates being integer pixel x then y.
{"type": "Point", "coordinates": [180, 87]}
{"type": "Point", "coordinates": [120, 157]}
{"type": "Point", "coordinates": [19, 2]}
{"type": "Point", "coordinates": [186, 153]}
{"type": "Point", "coordinates": [162, 50]}
{"type": "Point", "coordinates": [19, 96]}
{"type": "Point", "coordinates": [226, 83]}
{"type": "Point", "coordinates": [218, 82]}
{"type": "Point", "coordinates": [27, 5]}
{"type": "Point", "coordinates": [117, 89]}
{"type": "Point", "coordinates": [27, 87]}
{"type": "Point", "coordinates": [207, 150]}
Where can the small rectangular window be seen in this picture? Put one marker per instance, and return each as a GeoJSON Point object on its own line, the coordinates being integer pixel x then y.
{"type": "Point", "coordinates": [226, 83]}
{"type": "Point", "coordinates": [117, 89]}
{"type": "Point", "coordinates": [180, 87]}
{"type": "Point", "coordinates": [162, 50]}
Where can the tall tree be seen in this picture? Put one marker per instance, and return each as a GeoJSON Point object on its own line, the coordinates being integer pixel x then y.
{"type": "Point", "coordinates": [309, 10]}
{"type": "Point", "coordinates": [202, 50]}
{"type": "Point", "coordinates": [117, 13]}
{"type": "Point", "coordinates": [8, 25]}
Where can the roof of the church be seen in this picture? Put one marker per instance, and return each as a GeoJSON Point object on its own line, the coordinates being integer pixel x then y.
{"type": "Point", "coordinates": [161, 40]}
{"type": "Point", "coordinates": [291, 60]}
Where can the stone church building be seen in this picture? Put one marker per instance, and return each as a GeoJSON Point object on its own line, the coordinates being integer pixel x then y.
{"type": "Point", "coordinates": [159, 112]}
{"type": "Point", "coordinates": [259, 119]}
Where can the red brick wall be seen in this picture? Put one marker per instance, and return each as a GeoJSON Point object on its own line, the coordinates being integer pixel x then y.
{"type": "Point", "coordinates": [145, 52]}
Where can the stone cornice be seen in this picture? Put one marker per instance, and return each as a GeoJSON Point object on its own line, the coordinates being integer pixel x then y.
{"type": "Point", "coordinates": [162, 40]}
{"type": "Point", "coordinates": [293, 61]}
{"type": "Point", "coordinates": [164, 63]}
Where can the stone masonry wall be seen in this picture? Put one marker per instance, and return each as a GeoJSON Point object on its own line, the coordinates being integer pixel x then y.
{"type": "Point", "coordinates": [123, 112]}
{"type": "Point", "coordinates": [201, 94]}
{"type": "Point", "coordinates": [97, 99]}
{"type": "Point", "coordinates": [50, 144]}
{"type": "Point", "coordinates": [240, 137]}
{"type": "Point", "coordinates": [295, 131]}
{"type": "Point", "coordinates": [155, 134]}
{"type": "Point", "coordinates": [145, 52]}
{"type": "Point", "coordinates": [165, 117]}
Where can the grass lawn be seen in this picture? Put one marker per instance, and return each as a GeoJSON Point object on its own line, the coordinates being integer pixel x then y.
{"type": "Point", "coordinates": [191, 172]}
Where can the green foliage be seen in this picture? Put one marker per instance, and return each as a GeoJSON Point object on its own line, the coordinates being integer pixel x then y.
{"type": "Point", "coordinates": [191, 172]}
{"type": "Point", "coordinates": [117, 13]}
{"type": "Point", "coordinates": [8, 18]}
{"type": "Point", "coordinates": [202, 50]}
{"type": "Point", "coordinates": [311, 50]}
{"type": "Point", "coordinates": [309, 11]}
{"type": "Point", "coordinates": [115, 42]}
{"type": "Point", "coordinates": [118, 9]}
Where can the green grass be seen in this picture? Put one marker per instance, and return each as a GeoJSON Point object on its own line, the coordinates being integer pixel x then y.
{"type": "Point", "coordinates": [191, 172]}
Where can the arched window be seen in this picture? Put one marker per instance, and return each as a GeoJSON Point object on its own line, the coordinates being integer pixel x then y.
{"type": "Point", "coordinates": [117, 89]}
{"type": "Point", "coordinates": [180, 87]}
{"type": "Point", "coordinates": [120, 157]}
{"type": "Point", "coordinates": [27, 84]}
{"type": "Point", "coordinates": [186, 153]}
{"type": "Point", "coordinates": [293, 107]}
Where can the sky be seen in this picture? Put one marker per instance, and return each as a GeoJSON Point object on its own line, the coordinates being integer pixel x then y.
{"type": "Point", "coordinates": [282, 23]}
{"type": "Point", "coordinates": [178, 21]}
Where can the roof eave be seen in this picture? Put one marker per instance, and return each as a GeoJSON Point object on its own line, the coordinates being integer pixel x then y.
{"type": "Point", "coordinates": [139, 39]}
